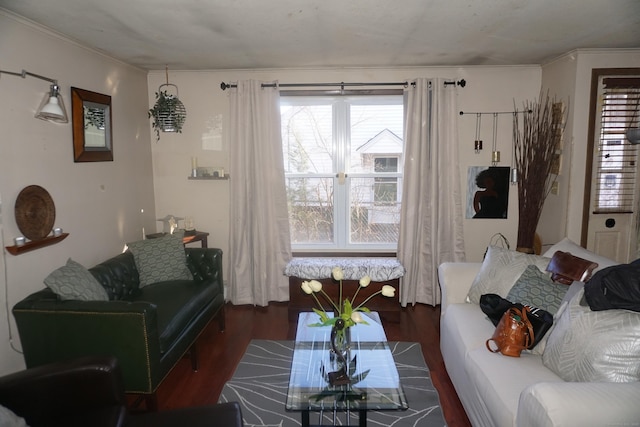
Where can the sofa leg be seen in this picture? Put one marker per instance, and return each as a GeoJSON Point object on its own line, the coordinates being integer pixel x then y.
{"type": "Point", "coordinates": [151, 402]}
{"type": "Point", "coordinates": [193, 355]}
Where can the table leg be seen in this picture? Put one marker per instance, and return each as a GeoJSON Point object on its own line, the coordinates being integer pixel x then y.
{"type": "Point", "coordinates": [362, 418]}
{"type": "Point", "coordinates": [305, 418]}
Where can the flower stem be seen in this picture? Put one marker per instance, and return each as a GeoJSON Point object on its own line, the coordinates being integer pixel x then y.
{"type": "Point", "coordinates": [330, 300]}
{"type": "Point", "coordinates": [366, 300]}
{"type": "Point", "coordinates": [318, 301]}
{"type": "Point", "coordinates": [355, 295]}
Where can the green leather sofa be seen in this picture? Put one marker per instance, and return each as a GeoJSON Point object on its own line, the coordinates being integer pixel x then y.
{"type": "Point", "coordinates": [147, 329]}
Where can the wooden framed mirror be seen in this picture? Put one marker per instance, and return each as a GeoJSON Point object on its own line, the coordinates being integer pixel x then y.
{"type": "Point", "coordinates": [91, 114]}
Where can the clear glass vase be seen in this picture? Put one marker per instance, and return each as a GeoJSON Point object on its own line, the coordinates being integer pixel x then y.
{"type": "Point", "coordinates": [341, 345]}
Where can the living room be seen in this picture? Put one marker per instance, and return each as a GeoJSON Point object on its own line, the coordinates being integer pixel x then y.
{"type": "Point", "coordinates": [104, 205]}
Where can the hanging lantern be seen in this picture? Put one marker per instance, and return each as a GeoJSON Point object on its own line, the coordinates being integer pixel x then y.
{"type": "Point", "coordinates": [169, 112]}
{"type": "Point", "coordinates": [477, 143]}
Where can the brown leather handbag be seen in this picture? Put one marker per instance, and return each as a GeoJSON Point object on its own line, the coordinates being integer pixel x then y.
{"type": "Point", "coordinates": [513, 334]}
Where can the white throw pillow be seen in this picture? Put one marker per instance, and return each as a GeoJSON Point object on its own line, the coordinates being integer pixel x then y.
{"type": "Point", "coordinates": [500, 270]}
{"type": "Point", "coordinates": [590, 346]}
{"type": "Point", "coordinates": [9, 419]}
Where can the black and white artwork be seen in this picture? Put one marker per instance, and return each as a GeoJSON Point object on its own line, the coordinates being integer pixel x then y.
{"type": "Point", "coordinates": [488, 195]}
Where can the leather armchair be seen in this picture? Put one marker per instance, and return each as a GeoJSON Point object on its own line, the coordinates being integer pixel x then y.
{"type": "Point", "coordinates": [89, 391]}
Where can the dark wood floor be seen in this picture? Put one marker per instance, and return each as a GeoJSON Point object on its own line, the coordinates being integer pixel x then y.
{"type": "Point", "coordinates": [220, 352]}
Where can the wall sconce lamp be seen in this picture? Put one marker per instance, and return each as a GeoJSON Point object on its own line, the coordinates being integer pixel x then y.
{"type": "Point", "coordinates": [52, 106]}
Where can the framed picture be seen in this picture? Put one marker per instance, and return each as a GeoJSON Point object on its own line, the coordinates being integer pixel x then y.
{"type": "Point", "coordinates": [488, 195]}
{"type": "Point", "coordinates": [91, 115]}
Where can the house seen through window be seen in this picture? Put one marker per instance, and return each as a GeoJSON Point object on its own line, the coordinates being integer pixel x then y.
{"type": "Point", "coordinates": [343, 159]}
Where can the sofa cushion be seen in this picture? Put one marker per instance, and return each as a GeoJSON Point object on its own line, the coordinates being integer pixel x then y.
{"type": "Point", "coordinates": [536, 288]}
{"type": "Point", "coordinates": [178, 303]}
{"type": "Point", "coordinates": [500, 270]}
{"type": "Point", "coordinates": [591, 346]}
{"type": "Point", "coordinates": [160, 259]}
{"type": "Point", "coordinates": [468, 326]}
{"type": "Point", "coordinates": [74, 282]}
{"type": "Point", "coordinates": [500, 380]}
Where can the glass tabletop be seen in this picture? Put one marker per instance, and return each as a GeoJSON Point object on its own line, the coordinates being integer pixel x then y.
{"type": "Point", "coordinates": [375, 383]}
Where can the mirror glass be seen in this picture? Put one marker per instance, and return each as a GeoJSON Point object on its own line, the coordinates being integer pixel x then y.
{"type": "Point", "coordinates": [91, 114]}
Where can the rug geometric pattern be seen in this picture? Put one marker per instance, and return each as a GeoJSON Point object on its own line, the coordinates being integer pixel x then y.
{"type": "Point", "coordinates": [261, 379]}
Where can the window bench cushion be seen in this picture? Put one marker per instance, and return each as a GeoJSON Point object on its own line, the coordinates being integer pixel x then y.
{"type": "Point", "coordinates": [382, 271]}
{"type": "Point", "coordinates": [379, 269]}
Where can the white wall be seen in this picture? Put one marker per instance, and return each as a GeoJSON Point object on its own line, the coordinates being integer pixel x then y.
{"type": "Point", "coordinates": [99, 204]}
{"type": "Point", "coordinates": [488, 89]}
{"type": "Point", "coordinates": [570, 78]}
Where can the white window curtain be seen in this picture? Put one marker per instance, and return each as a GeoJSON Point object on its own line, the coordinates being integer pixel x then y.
{"type": "Point", "coordinates": [259, 242]}
{"type": "Point", "coordinates": [431, 216]}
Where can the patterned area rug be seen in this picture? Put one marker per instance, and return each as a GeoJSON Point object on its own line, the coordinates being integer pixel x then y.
{"type": "Point", "coordinates": [261, 378]}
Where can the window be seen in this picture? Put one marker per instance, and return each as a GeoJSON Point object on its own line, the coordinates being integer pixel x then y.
{"type": "Point", "coordinates": [343, 169]}
{"type": "Point", "coordinates": [616, 164]}
{"type": "Point", "coordinates": [385, 189]}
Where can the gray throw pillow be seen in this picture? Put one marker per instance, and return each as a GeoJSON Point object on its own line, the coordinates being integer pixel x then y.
{"type": "Point", "coordinates": [536, 288]}
{"type": "Point", "coordinates": [160, 259]}
{"type": "Point", "coordinates": [586, 345]}
{"type": "Point", "coordinates": [74, 282]}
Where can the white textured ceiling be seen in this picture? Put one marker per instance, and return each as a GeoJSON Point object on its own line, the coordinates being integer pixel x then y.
{"type": "Point", "coordinates": [237, 34]}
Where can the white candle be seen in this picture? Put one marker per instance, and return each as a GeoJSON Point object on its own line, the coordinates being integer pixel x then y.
{"type": "Point", "coordinates": [194, 162]}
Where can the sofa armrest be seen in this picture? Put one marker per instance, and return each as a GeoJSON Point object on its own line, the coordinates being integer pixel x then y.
{"type": "Point", "coordinates": [52, 330]}
{"type": "Point", "coordinates": [455, 281]}
{"type": "Point", "coordinates": [579, 404]}
{"type": "Point", "coordinates": [87, 390]}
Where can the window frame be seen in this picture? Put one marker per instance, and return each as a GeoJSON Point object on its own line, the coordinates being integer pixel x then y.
{"type": "Point", "coordinates": [615, 116]}
{"type": "Point", "coordinates": [341, 127]}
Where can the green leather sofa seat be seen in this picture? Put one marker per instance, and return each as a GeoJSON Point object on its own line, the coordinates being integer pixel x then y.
{"type": "Point", "coordinates": [177, 304]}
{"type": "Point", "coordinates": [147, 329]}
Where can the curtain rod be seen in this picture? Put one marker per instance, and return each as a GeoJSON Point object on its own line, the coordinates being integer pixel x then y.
{"type": "Point", "coordinates": [495, 112]}
{"type": "Point", "coordinates": [342, 85]}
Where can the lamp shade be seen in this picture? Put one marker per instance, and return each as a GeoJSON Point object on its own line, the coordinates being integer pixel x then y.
{"type": "Point", "coordinates": [52, 107]}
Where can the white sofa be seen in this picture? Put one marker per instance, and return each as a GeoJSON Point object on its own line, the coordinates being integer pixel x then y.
{"type": "Point", "coordinates": [497, 390]}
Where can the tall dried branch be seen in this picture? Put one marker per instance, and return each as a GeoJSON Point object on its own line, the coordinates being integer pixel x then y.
{"type": "Point", "coordinates": [536, 142]}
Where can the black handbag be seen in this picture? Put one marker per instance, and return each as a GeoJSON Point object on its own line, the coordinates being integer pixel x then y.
{"type": "Point", "coordinates": [494, 306]}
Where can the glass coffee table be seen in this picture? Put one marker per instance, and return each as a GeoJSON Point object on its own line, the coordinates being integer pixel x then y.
{"type": "Point", "coordinates": [375, 383]}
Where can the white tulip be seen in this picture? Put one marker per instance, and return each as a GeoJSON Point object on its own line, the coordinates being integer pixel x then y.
{"type": "Point", "coordinates": [364, 282]}
{"type": "Point", "coordinates": [388, 291]}
{"type": "Point", "coordinates": [306, 288]}
{"type": "Point", "coordinates": [356, 317]}
{"type": "Point", "coordinates": [337, 273]}
{"type": "Point", "coordinates": [315, 286]}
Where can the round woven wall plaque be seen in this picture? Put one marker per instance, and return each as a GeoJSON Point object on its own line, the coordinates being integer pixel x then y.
{"type": "Point", "coordinates": [35, 212]}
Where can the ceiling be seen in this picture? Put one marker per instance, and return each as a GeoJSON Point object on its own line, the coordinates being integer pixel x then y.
{"type": "Point", "coordinates": [241, 34]}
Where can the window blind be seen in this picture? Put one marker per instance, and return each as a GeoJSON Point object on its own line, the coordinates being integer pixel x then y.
{"type": "Point", "coordinates": [616, 163]}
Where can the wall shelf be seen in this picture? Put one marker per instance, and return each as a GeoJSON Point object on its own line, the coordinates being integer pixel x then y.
{"type": "Point", "coordinates": [36, 244]}
{"type": "Point", "coordinates": [209, 178]}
